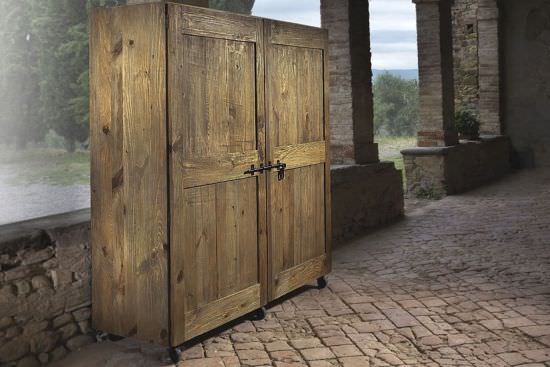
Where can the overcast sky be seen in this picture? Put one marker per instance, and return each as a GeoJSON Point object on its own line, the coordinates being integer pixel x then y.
{"type": "Point", "coordinates": [393, 27]}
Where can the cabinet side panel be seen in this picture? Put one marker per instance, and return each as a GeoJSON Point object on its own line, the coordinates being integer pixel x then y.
{"type": "Point", "coordinates": [101, 91]}
{"type": "Point", "coordinates": [129, 172]}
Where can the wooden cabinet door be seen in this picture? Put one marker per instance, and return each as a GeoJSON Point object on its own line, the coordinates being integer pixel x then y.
{"type": "Point", "coordinates": [297, 130]}
{"type": "Point", "coordinates": [216, 132]}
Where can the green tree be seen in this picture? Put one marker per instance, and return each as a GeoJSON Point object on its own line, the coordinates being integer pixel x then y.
{"type": "Point", "coordinates": [237, 6]}
{"type": "Point", "coordinates": [64, 87]}
{"type": "Point", "coordinates": [20, 118]}
{"type": "Point", "coordinates": [395, 106]}
{"type": "Point", "coordinates": [64, 63]}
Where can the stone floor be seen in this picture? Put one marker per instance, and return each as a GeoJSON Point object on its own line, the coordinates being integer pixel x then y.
{"type": "Point", "coordinates": [464, 281]}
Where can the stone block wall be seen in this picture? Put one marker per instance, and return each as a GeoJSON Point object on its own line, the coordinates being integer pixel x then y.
{"type": "Point", "coordinates": [465, 54]}
{"type": "Point", "coordinates": [434, 172]}
{"type": "Point", "coordinates": [435, 70]}
{"type": "Point", "coordinates": [335, 17]}
{"type": "Point", "coordinates": [351, 104]}
{"type": "Point", "coordinates": [365, 197]}
{"type": "Point", "coordinates": [44, 289]}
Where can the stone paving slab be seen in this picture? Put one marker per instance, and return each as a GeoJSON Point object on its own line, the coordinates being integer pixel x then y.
{"type": "Point", "coordinates": [464, 281]}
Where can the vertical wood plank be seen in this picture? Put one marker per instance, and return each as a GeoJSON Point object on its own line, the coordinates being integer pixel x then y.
{"type": "Point", "coordinates": [326, 131]}
{"type": "Point", "coordinates": [237, 232]}
{"type": "Point", "coordinates": [216, 124]}
{"type": "Point", "coordinates": [199, 246]}
{"type": "Point", "coordinates": [177, 68]}
{"type": "Point", "coordinates": [129, 193]}
{"type": "Point", "coordinates": [227, 255]}
{"type": "Point", "coordinates": [241, 104]}
{"type": "Point", "coordinates": [144, 160]}
{"type": "Point", "coordinates": [261, 146]}
{"type": "Point", "coordinates": [310, 89]}
{"type": "Point", "coordinates": [121, 273]}
{"type": "Point", "coordinates": [282, 95]}
{"type": "Point", "coordinates": [100, 125]}
{"type": "Point", "coordinates": [190, 67]}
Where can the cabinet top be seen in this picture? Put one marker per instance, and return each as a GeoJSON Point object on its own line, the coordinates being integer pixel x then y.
{"type": "Point", "coordinates": [203, 6]}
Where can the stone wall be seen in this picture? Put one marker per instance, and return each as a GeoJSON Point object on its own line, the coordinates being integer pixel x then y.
{"type": "Point", "coordinates": [334, 16]}
{"type": "Point", "coordinates": [465, 53]}
{"type": "Point", "coordinates": [435, 71]}
{"type": "Point", "coordinates": [365, 197]}
{"type": "Point", "coordinates": [435, 172]}
{"type": "Point", "coordinates": [526, 28]}
{"type": "Point", "coordinates": [44, 289]}
{"type": "Point", "coordinates": [351, 111]}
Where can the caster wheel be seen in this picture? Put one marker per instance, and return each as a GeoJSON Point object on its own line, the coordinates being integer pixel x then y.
{"type": "Point", "coordinates": [114, 338]}
{"type": "Point", "coordinates": [103, 337]}
{"type": "Point", "coordinates": [100, 336]}
{"type": "Point", "coordinates": [260, 313]}
{"type": "Point", "coordinates": [175, 354]}
{"type": "Point", "coordinates": [321, 283]}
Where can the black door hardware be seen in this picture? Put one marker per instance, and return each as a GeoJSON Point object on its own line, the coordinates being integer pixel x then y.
{"type": "Point", "coordinates": [253, 170]}
{"type": "Point", "coordinates": [280, 167]}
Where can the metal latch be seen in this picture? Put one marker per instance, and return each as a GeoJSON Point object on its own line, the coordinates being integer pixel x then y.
{"type": "Point", "coordinates": [279, 166]}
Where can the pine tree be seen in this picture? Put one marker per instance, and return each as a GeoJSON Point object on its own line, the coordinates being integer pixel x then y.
{"type": "Point", "coordinates": [20, 118]}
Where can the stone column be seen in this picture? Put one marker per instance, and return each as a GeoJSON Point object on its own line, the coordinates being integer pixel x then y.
{"type": "Point", "coordinates": [435, 64]}
{"type": "Point", "coordinates": [489, 67]}
{"type": "Point", "coordinates": [351, 112]}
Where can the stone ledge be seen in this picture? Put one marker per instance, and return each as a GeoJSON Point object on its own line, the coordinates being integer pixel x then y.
{"type": "Point", "coordinates": [34, 232]}
{"type": "Point", "coordinates": [427, 151]}
{"type": "Point", "coordinates": [449, 170]}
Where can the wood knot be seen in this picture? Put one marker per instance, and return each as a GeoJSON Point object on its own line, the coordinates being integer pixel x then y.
{"type": "Point", "coordinates": [117, 48]}
{"type": "Point", "coordinates": [118, 179]}
{"type": "Point", "coordinates": [106, 129]}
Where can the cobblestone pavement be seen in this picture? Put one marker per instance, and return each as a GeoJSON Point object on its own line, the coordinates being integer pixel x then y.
{"type": "Point", "coordinates": [464, 281]}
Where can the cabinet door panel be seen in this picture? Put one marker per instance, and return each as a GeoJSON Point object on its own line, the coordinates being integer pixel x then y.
{"type": "Point", "coordinates": [298, 219]}
{"type": "Point", "coordinates": [216, 132]}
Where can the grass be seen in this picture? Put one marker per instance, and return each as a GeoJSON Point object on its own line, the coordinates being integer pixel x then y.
{"type": "Point", "coordinates": [57, 167]}
{"type": "Point", "coordinates": [390, 150]}
{"type": "Point", "coordinates": [42, 165]}
{"type": "Point", "coordinates": [391, 146]}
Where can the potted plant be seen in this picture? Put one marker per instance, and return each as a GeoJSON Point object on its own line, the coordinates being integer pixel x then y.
{"type": "Point", "coordinates": [467, 125]}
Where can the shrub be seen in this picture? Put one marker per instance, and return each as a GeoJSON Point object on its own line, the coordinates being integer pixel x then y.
{"type": "Point", "coordinates": [467, 124]}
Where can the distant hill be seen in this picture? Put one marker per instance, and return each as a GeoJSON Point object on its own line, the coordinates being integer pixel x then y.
{"type": "Point", "coordinates": [403, 73]}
